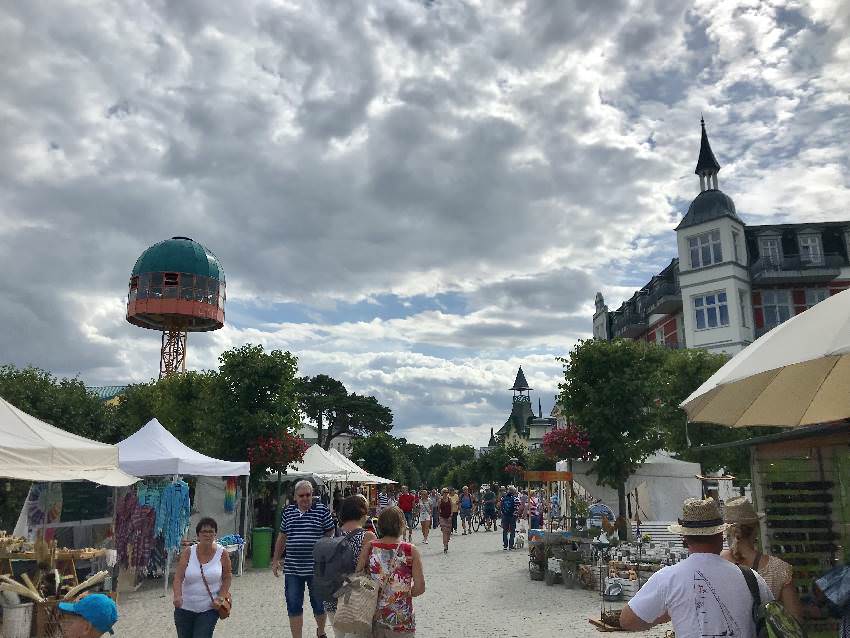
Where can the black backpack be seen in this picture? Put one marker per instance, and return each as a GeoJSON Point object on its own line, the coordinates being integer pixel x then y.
{"type": "Point", "coordinates": [772, 619]}
{"type": "Point", "coordinates": [333, 559]}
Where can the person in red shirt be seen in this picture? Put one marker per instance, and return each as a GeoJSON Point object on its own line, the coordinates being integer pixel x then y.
{"type": "Point", "coordinates": [406, 503]}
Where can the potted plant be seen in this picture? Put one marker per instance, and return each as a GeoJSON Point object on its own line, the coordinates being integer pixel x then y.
{"type": "Point", "coordinates": [647, 540]}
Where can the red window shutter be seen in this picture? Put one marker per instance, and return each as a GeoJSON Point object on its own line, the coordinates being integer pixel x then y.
{"type": "Point", "coordinates": [799, 297]}
{"type": "Point", "coordinates": [758, 317]}
{"type": "Point", "coordinates": [756, 298]}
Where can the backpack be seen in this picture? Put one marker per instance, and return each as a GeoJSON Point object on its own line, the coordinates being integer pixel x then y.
{"type": "Point", "coordinates": [508, 506]}
{"type": "Point", "coordinates": [772, 619]}
{"type": "Point", "coordinates": [333, 559]}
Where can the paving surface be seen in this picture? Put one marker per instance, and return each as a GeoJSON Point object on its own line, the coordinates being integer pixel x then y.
{"type": "Point", "coordinates": [475, 590]}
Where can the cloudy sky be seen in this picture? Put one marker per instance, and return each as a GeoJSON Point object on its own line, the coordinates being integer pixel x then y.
{"type": "Point", "coordinates": [413, 196]}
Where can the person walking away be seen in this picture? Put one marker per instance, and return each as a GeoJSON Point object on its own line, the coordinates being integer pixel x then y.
{"type": "Point", "coordinates": [489, 508]}
{"type": "Point", "coordinates": [383, 500]}
{"type": "Point", "coordinates": [510, 510]}
{"type": "Point", "coordinates": [533, 510]}
{"type": "Point", "coordinates": [406, 501]}
{"type": "Point", "coordinates": [455, 508]}
{"type": "Point", "coordinates": [704, 595]}
{"type": "Point", "coordinates": [425, 514]}
{"type": "Point", "coordinates": [445, 510]}
{"type": "Point", "coordinates": [741, 535]}
{"type": "Point", "coordinates": [300, 527]}
{"type": "Point", "coordinates": [353, 511]}
{"type": "Point", "coordinates": [195, 613]}
{"type": "Point", "coordinates": [90, 616]}
{"type": "Point", "coordinates": [399, 565]}
{"type": "Point", "coordinates": [466, 504]}
{"type": "Point", "coordinates": [434, 497]}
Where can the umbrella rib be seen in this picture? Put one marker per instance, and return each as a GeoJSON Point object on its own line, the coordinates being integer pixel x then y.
{"type": "Point", "coordinates": [820, 385]}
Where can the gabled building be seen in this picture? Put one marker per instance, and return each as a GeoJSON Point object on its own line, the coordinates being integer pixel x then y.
{"type": "Point", "coordinates": [523, 426]}
{"type": "Point", "coordinates": [731, 282]}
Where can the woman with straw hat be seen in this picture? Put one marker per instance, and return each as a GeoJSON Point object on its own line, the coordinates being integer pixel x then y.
{"type": "Point", "coordinates": [741, 535]}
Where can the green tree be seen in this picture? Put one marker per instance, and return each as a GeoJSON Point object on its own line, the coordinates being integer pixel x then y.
{"type": "Point", "coordinates": [320, 397]}
{"type": "Point", "coordinates": [378, 452]}
{"type": "Point", "coordinates": [612, 389]}
{"type": "Point", "coordinates": [685, 371]}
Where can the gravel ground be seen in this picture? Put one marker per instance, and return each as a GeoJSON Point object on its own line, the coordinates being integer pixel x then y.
{"type": "Point", "coordinates": [475, 590]}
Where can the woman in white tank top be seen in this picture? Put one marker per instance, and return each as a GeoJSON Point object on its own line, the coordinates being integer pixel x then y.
{"type": "Point", "coordinates": [195, 615]}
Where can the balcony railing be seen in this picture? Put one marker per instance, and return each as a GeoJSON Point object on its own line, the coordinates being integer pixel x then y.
{"type": "Point", "coordinates": [796, 268]}
{"type": "Point", "coordinates": [629, 324]}
{"type": "Point", "coordinates": [664, 298]}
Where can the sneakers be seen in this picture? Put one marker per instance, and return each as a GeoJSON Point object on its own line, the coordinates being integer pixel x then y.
{"type": "Point", "coordinates": [504, 549]}
{"type": "Point", "coordinates": [445, 550]}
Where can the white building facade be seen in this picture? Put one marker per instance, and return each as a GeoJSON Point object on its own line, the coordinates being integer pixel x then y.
{"type": "Point", "coordinates": [731, 282]}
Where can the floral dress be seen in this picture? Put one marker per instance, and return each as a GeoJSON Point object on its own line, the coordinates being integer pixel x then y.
{"type": "Point", "coordinates": [395, 603]}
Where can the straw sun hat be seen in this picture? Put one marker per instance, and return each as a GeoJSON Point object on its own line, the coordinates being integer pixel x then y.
{"type": "Point", "coordinates": [699, 518]}
{"type": "Point", "coordinates": [739, 511]}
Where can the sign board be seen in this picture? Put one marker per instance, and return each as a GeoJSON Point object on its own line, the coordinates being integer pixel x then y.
{"type": "Point", "coordinates": [546, 476]}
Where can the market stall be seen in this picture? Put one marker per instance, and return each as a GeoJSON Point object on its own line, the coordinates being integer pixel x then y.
{"type": "Point", "coordinates": [33, 450]}
{"type": "Point", "coordinates": [156, 516]}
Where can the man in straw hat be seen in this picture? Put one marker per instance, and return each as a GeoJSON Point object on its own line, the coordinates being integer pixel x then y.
{"type": "Point", "coordinates": [704, 595]}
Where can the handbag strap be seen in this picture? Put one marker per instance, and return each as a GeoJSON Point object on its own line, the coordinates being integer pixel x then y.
{"type": "Point", "coordinates": [753, 586]}
{"type": "Point", "coordinates": [204, 578]}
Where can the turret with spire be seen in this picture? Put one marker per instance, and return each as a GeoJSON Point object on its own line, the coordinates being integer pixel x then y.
{"type": "Point", "coordinates": [707, 165]}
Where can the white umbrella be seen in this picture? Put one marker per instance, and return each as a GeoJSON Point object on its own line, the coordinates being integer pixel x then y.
{"type": "Point", "coordinates": [797, 374]}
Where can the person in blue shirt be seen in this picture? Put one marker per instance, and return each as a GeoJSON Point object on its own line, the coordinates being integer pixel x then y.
{"type": "Point", "coordinates": [510, 511]}
{"type": "Point", "coordinates": [301, 526]}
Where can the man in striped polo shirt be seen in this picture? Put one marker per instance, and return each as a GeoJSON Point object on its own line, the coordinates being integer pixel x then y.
{"type": "Point", "coordinates": [383, 499]}
{"type": "Point", "coordinates": [301, 526]}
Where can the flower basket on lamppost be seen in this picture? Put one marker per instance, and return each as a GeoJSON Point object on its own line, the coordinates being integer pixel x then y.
{"type": "Point", "coordinates": [514, 468]}
{"type": "Point", "coordinates": [570, 443]}
{"type": "Point", "coordinates": [275, 454]}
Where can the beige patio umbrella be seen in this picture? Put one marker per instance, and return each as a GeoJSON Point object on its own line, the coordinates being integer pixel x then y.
{"type": "Point", "coordinates": [797, 374]}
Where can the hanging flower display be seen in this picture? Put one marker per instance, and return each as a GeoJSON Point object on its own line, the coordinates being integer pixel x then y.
{"type": "Point", "coordinates": [513, 469]}
{"type": "Point", "coordinates": [569, 442]}
{"type": "Point", "coordinates": [276, 453]}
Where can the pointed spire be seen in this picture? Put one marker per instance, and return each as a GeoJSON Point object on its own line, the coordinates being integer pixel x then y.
{"type": "Point", "coordinates": [707, 165]}
{"type": "Point", "coordinates": [492, 441]}
{"type": "Point", "coordinates": [520, 384]}
{"type": "Point", "coordinates": [540, 407]}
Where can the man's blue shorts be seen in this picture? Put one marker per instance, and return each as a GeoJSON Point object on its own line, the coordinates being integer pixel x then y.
{"type": "Point", "coordinates": [293, 589]}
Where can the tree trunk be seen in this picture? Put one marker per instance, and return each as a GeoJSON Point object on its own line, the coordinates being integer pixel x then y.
{"type": "Point", "coordinates": [623, 513]}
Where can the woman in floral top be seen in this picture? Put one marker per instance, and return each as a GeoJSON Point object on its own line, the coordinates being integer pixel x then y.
{"type": "Point", "coordinates": [398, 567]}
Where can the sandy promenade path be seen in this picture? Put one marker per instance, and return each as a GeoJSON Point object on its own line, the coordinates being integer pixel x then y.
{"type": "Point", "coordinates": [475, 590]}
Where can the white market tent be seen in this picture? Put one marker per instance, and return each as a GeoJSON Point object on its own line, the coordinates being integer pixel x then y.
{"type": "Point", "coordinates": [318, 464]}
{"type": "Point", "coordinates": [32, 450]}
{"type": "Point", "coordinates": [357, 474]}
{"type": "Point", "coordinates": [154, 451]}
{"type": "Point", "coordinates": [661, 485]}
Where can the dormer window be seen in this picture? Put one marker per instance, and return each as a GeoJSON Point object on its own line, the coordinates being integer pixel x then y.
{"type": "Point", "coordinates": [811, 251]}
{"type": "Point", "coordinates": [705, 249]}
{"type": "Point", "coordinates": [771, 250]}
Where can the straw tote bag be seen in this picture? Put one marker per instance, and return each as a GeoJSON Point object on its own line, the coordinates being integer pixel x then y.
{"type": "Point", "coordinates": [357, 600]}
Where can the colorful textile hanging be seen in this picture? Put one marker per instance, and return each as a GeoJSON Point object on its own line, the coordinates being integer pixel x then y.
{"type": "Point", "coordinates": [172, 518]}
{"type": "Point", "coordinates": [230, 494]}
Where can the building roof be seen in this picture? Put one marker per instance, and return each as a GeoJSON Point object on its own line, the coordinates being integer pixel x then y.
{"type": "Point", "coordinates": [106, 392]}
{"type": "Point", "coordinates": [518, 421]}
{"type": "Point", "coordinates": [520, 384]}
{"type": "Point", "coordinates": [179, 254]}
{"type": "Point", "coordinates": [707, 206]}
{"type": "Point", "coordinates": [707, 163]}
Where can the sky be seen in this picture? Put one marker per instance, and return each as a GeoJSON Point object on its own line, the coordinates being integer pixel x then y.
{"type": "Point", "coordinates": [415, 197]}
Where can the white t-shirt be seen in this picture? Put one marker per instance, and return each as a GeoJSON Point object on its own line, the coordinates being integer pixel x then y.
{"type": "Point", "coordinates": [705, 595]}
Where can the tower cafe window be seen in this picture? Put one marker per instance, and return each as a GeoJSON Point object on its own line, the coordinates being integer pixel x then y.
{"type": "Point", "coordinates": [711, 310]}
{"type": "Point", "coordinates": [705, 249]}
{"type": "Point", "coordinates": [810, 250]}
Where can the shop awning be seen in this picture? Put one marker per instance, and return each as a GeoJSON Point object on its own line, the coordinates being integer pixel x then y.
{"type": "Point", "coordinates": [356, 473]}
{"type": "Point", "coordinates": [32, 450]}
{"type": "Point", "coordinates": [154, 451]}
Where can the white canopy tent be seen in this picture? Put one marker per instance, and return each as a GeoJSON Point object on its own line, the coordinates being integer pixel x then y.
{"type": "Point", "coordinates": [32, 450]}
{"type": "Point", "coordinates": [154, 451]}
{"type": "Point", "coordinates": [356, 473]}
{"type": "Point", "coordinates": [661, 484]}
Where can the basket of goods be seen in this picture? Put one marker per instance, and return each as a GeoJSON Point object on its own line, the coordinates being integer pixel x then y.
{"type": "Point", "coordinates": [611, 617]}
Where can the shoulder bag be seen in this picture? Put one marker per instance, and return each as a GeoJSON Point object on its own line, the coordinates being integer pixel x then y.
{"type": "Point", "coordinates": [357, 599]}
{"type": "Point", "coordinates": [223, 605]}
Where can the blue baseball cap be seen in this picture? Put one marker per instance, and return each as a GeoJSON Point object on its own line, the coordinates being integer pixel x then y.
{"type": "Point", "coordinates": [98, 609]}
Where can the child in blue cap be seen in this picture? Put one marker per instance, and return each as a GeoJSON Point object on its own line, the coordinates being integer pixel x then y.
{"type": "Point", "coordinates": [90, 617]}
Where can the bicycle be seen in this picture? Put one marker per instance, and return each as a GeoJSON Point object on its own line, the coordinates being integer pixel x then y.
{"type": "Point", "coordinates": [477, 519]}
